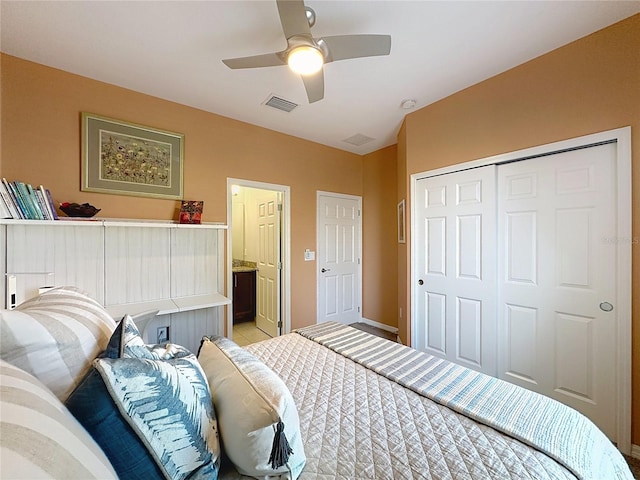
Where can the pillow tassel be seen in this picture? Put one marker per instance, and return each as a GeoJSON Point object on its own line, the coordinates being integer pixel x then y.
{"type": "Point", "coordinates": [281, 449]}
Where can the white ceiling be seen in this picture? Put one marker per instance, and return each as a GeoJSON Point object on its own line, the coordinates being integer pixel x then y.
{"type": "Point", "coordinates": [173, 50]}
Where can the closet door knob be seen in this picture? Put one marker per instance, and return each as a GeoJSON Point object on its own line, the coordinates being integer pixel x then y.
{"type": "Point", "coordinates": [420, 282]}
{"type": "Point", "coordinates": [606, 307]}
{"type": "Point", "coordinates": [325, 270]}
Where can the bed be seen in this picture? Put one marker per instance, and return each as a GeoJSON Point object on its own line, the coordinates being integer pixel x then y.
{"type": "Point", "coordinates": [325, 402]}
{"type": "Point", "coordinates": [371, 408]}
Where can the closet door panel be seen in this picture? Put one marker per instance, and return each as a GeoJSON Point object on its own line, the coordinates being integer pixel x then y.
{"type": "Point", "coordinates": [435, 337]}
{"type": "Point", "coordinates": [469, 340]}
{"type": "Point", "coordinates": [521, 324]}
{"type": "Point", "coordinates": [436, 245]}
{"type": "Point", "coordinates": [469, 249]}
{"type": "Point", "coordinates": [455, 313]}
{"type": "Point", "coordinates": [520, 250]}
{"type": "Point", "coordinates": [555, 213]}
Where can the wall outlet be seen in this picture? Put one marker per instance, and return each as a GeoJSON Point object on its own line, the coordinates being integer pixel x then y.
{"type": "Point", "coordinates": [11, 300]}
{"type": "Point", "coordinates": [163, 335]}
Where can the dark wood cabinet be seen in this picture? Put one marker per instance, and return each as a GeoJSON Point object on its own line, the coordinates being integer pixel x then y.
{"type": "Point", "coordinates": [244, 296]}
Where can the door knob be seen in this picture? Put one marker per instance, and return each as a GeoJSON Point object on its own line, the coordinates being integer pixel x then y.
{"type": "Point", "coordinates": [325, 270]}
{"type": "Point", "coordinates": [420, 282]}
{"type": "Point", "coordinates": [606, 307]}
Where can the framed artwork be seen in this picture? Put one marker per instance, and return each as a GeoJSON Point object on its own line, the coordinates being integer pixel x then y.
{"type": "Point", "coordinates": [401, 223]}
{"type": "Point", "coordinates": [127, 159]}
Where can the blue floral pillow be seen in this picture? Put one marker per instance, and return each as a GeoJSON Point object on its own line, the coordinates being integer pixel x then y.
{"type": "Point", "coordinates": [156, 399]}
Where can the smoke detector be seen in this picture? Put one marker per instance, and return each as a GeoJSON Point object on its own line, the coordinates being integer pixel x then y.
{"type": "Point", "coordinates": [408, 104]}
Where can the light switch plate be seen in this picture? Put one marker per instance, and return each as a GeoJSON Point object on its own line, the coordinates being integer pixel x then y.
{"type": "Point", "coordinates": [309, 255]}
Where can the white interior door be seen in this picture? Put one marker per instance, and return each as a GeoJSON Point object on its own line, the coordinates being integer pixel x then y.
{"type": "Point", "coordinates": [455, 268]}
{"type": "Point", "coordinates": [339, 246]}
{"type": "Point", "coordinates": [558, 279]}
{"type": "Point", "coordinates": [269, 263]}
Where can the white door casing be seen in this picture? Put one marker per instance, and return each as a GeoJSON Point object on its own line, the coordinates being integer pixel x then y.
{"type": "Point", "coordinates": [285, 248]}
{"type": "Point", "coordinates": [268, 275]}
{"type": "Point", "coordinates": [455, 267]}
{"type": "Point", "coordinates": [556, 269]}
{"type": "Point", "coordinates": [339, 227]}
{"type": "Point", "coordinates": [572, 330]}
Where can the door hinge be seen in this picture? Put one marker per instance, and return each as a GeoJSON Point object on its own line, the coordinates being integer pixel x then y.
{"type": "Point", "coordinates": [279, 207]}
{"type": "Point", "coordinates": [279, 265]}
{"type": "Point", "coordinates": [358, 261]}
{"type": "Point", "coordinates": [279, 323]}
{"type": "Point", "coordinates": [358, 212]}
{"type": "Point", "coordinates": [358, 309]}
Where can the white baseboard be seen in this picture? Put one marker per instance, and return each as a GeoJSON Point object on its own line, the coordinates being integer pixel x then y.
{"type": "Point", "coordinates": [382, 326]}
{"type": "Point", "coordinates": [635, 451]}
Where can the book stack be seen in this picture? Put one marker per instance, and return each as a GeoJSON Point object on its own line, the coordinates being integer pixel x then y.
{"type": "Point", "coordinates": [23, 201]}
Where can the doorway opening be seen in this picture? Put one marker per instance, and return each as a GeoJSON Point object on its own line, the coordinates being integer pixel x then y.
{"type": "Point", "coordinates": [258, 260]}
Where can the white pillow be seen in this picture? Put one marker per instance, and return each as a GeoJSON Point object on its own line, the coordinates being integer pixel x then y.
{"type": "Point", "coordinates": [251, 402]}
{"type": "Point", "coordinates": [55, 337]}
{"type": "Point", "coordinates": [39, 438]}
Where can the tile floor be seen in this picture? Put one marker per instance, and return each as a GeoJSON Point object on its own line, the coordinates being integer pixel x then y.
{"type": "Point", "coordinates": [246, 332]}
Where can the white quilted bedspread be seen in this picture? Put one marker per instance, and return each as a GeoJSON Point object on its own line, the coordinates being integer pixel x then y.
{"type": "Point", "coordinates": [356, 424]}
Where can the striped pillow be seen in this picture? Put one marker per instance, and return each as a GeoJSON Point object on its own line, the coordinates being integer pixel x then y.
{"type": "Point", "coordinates": [55, 337]}
{"type": "Point", "coordinates": [39, 438]}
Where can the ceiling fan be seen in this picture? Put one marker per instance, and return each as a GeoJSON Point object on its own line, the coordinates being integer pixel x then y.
{"type": "Point", "coordinates": [307, 55]}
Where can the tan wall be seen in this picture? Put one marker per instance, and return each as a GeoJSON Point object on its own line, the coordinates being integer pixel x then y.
{"type": "Point", "coordinates": [379, 237]}
{"type": "Point", "coordinates": [588, 86]}
{"type": "Point", "coordinates": [404, 261]}
{"type": "Point", "coordinates": [41, 145]}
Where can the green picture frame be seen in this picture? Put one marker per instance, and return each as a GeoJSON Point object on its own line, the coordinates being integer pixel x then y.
{"type": "Point", "coordinates": [125, 158]}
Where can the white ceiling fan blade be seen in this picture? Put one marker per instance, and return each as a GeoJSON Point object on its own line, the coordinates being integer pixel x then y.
{"type": "Point", "coordinates": [343, 47]}
{"type": "Point", "coordinates": [255, 61]}
{"type": "Point", "coordinates": [293, 18]}
{"type": "Point", "coordinates": [314, 85]}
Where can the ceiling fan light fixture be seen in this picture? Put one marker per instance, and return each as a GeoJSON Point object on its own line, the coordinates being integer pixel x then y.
{"type": "Point", "coordinates": [305, 60]}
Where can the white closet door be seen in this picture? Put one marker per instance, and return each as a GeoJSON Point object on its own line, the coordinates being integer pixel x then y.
{"type": "Point", "coordinates": [455, 261]}
{"type": "Point", "coordinates": [557, 279]}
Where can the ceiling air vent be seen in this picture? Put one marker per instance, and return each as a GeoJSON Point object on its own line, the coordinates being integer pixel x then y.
{"type": "Point", "coordinates": [280, 103]}
{"type": "Point", "coordinates": [358, 139]}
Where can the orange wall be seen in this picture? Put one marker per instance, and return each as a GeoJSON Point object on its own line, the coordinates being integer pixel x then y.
{"type": "Point", "coordinates": [380, 237]}
{"type": "Point", "coordinates": [404, 261]}
{"type": "Point", "coordinates": [588, 86]}
{"type": "Point", "coordinates": [41, 145]}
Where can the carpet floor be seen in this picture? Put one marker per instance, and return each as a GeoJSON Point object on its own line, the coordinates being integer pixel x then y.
{"type": "Point", "coordinates": [375, 331]}
{"type": "Point", "coordinates": [634, 465]}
